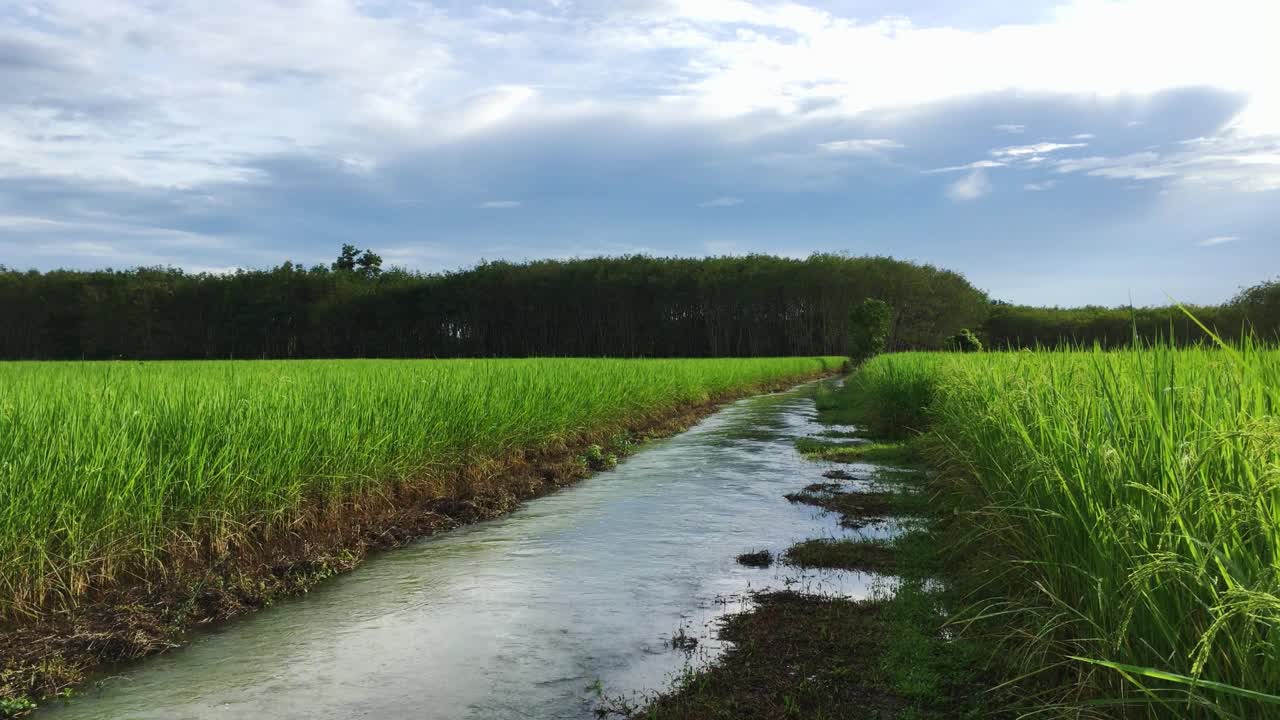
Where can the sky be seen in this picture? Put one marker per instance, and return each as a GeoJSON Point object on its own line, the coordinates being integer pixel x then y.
{"type": "Point", "coordinates": [1057, 153]}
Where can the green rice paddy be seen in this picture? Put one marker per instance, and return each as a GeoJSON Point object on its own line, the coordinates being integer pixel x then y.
{"type": "Point", "coordinates": [1125, 511]}
{"type": "Point", "coordinates": [105, 465]}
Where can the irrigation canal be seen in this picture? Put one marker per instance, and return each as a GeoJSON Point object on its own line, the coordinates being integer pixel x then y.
{"type": "Point", "coordinates": [532, 615]}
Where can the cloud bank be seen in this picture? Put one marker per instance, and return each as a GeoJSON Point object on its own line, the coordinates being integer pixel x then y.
{"type": "Point", "coordinates": [193, 134]}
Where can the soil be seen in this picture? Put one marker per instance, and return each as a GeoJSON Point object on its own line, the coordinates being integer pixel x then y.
{"type": "Point", "coordinates": [793, 656]}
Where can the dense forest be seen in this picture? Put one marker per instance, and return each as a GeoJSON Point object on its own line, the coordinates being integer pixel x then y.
{"type": "Point", "coordinates": [634, 306]}
{"type": "Point", "coordinates": [1255, 311]}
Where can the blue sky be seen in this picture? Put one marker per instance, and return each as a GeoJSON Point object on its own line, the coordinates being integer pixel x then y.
{"type": "Point", "coordinates": [1055, 152]}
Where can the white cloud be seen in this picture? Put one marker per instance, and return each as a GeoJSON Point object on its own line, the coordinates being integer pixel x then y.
{"type": "Point", "coordinates": [357, 164]}
{"type": "Point", "coordinates": [183, 93]}
{"type": "Point", "coordinates": [135, 102]}
{"type": "Point", "coordinates": [171, 236]}
{"type": "Point", "coordinates": [977, 165]}
{"type": "Point", "coordinates": [970, 187]}
{"type": "Point", "coordinates": [1133, 173]}
{"type": "Point", "coordinates": [1019, 151]}
{"type": "Point", "coordinates": [1230, 161]}
{"type": "Point", "coordinates": [26, 222]}
{"type": "Point", "coordinates": [105, 240]}
{"type": "Point", "coordinates": [777, 64]}
{"type": "Point", "coordinates": [479, 111]}
{"type": "Point", "coordinates": [1219, 240]}
{"type": "Point", "coordinates": [721, 202]}
{"type": "Point", "coordinates": [186, 92]}
{"type": "Point", "coordinates": [1095, 162]}
{"type": "Point", "coordinates": [862, 146]}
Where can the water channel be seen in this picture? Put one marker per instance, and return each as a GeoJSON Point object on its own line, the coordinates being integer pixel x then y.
{"type": "Point", "coordinates": [529, 616]}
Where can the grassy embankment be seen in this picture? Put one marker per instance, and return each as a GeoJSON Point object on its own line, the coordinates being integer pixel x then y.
{"type": "Point", "coordinates": [1124, 510]}
{"type": "Point", "coordinates": [1105, 527]}
{"type": "Point", "coordinates": [138, 498]}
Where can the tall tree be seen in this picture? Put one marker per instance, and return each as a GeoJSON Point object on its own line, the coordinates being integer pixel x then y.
{"type": "Point", "coordinates": [369, 264]}
{"type": "Point", "coordinates": [347, 259]}
{"type": "Point", "coordinates": [869, 325]}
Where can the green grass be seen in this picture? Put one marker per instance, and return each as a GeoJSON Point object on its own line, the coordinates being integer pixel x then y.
{"type": "Point", "coordinates": [858, 508]}
{"type": "Point", "coordinates": [1128, 510]}
{"type": "Point", "coordinates": [842, 554]}
{"type": "Point", "coordinates": [899, 454]}
{"type": "Point", "coordinates": [105, 465]}
{"type": "Point", "coordinates": [880, 415]}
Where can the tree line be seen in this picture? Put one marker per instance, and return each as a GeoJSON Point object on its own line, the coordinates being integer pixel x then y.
{"type": "Point", "coordinates": [634, 306]}
{"type": "Point", "coordinates": [1254, 311]}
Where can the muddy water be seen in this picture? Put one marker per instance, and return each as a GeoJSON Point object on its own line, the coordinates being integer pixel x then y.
{"type": "Point", "coordinates": [531, 615]}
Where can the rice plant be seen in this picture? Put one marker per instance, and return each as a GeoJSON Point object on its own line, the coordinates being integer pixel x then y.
{"type": "Point", "coordinates": [1128, 505]}
{"type": "Point", "coordinates": [102, 465]}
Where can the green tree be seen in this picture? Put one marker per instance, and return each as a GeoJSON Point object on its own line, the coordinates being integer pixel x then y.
{"type": "Point", "coordinates": [369, 264]}
{"type": "Point", "coordinates": [964, 341]}
{"type": "Point", "coordinates": [347, 259]}
{"type": "Point", "coordinates": [869, 324]}
{"type": "Point", "coordinates": [1259, 307]}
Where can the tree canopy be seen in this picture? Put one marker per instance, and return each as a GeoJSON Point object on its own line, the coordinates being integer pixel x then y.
{"type": "Point", "coordinates": [633, 306]}
{"type": "Point", "coordinates": [1255, 311]}
{"type": "Point", "coordinates": [870, 322]}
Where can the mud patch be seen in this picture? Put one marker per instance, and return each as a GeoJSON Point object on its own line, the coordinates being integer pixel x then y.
{"type": "Point", "coordinates": [858, 509]}
{"type": "Point", "coordinates": [756, 559]}
{"type": "Point", "coordinates": [793, 655]}
{"type": "Point", "coordinates": [843, 554]}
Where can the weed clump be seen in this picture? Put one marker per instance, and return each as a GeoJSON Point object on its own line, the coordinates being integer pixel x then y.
{"type": "Point", "coordinates": [756, 559]}
{"type": "Point", "coordinates": [595, 458]}
{"type": "Point", "coordinates": [842, 554]}
{"type": "Point", "coordinates": [899, 454]}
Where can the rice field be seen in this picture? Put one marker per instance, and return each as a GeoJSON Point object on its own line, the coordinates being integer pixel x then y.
{"type": "Point", "coordinates": [1126, 510]}
{"type": "Point", "coordinates": [103, 465]}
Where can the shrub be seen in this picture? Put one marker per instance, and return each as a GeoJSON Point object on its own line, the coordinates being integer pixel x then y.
{"type": "Point", "coordinates": [964, 341]}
